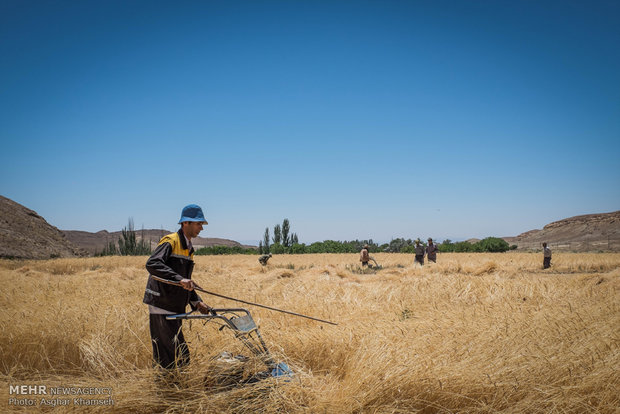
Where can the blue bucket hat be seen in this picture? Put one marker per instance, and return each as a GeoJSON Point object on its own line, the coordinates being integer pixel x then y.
{"type": "Point", "coordinates": [192, 212]}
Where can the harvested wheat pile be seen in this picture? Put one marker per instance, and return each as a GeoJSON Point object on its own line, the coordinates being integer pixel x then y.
{"type": "Point", "coordinates": [476, 333]}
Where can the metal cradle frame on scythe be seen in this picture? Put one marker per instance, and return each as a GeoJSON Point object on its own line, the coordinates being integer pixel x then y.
{"type": "Point", "coordinates": [242, 324]}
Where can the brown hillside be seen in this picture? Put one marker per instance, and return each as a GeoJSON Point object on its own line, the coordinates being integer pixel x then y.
{"type": "Point", "coordinates": [590, 232]}
{"type": "Point", "coordinates": [26, 235]}
{"type": "Point", "coordinates": [95, 242]}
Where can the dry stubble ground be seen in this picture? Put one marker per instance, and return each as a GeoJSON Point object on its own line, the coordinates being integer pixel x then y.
{"type": "Point", "coordinates": [476, 333]}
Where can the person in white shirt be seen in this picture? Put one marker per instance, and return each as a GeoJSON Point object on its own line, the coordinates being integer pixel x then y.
{"type": "Point", "coordinates": [546, 256]}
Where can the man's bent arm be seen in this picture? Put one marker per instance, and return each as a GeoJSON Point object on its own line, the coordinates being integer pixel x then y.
{"type": "Point", "coordinates": [156, 265]}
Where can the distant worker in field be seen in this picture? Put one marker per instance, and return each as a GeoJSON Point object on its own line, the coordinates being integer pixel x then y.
{"type": "Point", "coordinates": [170, 289]}
{"type": "Point", "coordinates": [365, 257]}
{"type": "Point", "coordinates": [419, 252]}
{"type": "Point", "coordinates": [431, 251]}
{"type": "Point", "coordinates": [264, 258]}
{"type": "Point", "coordinates": [546, 256]}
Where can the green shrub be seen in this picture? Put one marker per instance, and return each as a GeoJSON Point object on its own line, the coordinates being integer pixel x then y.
{"type": "Point", "coordinates": [277, 248]}
{"type": "Point", "coordinates": [298, 248]}
{"type": "Point", "coordinates": [492, 245]}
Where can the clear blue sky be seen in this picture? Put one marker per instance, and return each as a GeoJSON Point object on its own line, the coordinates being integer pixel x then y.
{"type": "Point", "coordinates": [353, 119]}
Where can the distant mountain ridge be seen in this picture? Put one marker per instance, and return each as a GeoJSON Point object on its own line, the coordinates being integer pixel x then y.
{"type": "Point", "coordinates": [589, 232]}
{"type": "Point", "coordinates": [26, 235]}
{"type": "Point", "coordinates": [95, 242]}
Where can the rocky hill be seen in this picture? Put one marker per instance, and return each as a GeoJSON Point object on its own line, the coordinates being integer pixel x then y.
{"type": "Point", "coordinates": [95, 242]}
{"type": "Point", "coordinates": [590, 232]}
{"type": "Point", "coordinates": [26, 235]}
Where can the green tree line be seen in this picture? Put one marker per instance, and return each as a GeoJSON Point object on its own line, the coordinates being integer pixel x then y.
{"type": "Point", "coordinates": [286, 242]}
{"type": "Point", "coordinates": [282, 243]}
{"type": "Point", "coordinates": [217, 250]}
{"type": "Point", "coordinates": [490, 244]}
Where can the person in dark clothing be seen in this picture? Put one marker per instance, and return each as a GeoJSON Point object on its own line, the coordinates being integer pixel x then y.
{"type": "Point", "coordinates": [264, 258]}
{"type": "Point", "coordinates": [419, 252]}
{"type": "Point", "coordinates": [546, 256]}
{"type": "Point", "coordinates": [173, 262]}
{"type": "Point", "coordinates": [431, 251]}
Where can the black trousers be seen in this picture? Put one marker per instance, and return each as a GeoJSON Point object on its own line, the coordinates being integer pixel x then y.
{"type": "Point", "coordinates": [169, 347]}
{"type": "Point", "coordinates": [546, 262]}
{"type": "Point", "coordinates": [419, 258]}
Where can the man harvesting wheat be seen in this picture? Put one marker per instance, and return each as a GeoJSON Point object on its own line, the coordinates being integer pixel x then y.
{"type": "Point", "coordinates": [431, 251]}
{"type": "Point", "coordinates": [172, 263]}
{"type": "Point", "coordinates": [419, 252]}
{"type": "Point", "coordinates": [546, 256]}
{"type": "Point", "coordinates": [364, 255]}
{"type": "Point", "coordinates": [264, 258]}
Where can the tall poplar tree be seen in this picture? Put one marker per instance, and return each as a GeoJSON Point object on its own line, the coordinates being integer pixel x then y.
{"type": "Point", "coordinates": [277, 234]}
{"type": "Point", "coordinates": [286, 227]}
{"type": "Point", "coordinates": [266, 240]}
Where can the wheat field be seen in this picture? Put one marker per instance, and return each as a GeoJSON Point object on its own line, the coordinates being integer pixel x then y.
{"type": "Point", "coordinates": [474, 333]}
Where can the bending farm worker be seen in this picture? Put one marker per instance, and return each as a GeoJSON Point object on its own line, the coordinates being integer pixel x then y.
{"type": "Point", "coordinates": [264, 258]}
{"type": "Point", "coordinates": [365, 256]}
{"type": "Point", "coordinates": [173, 260]}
